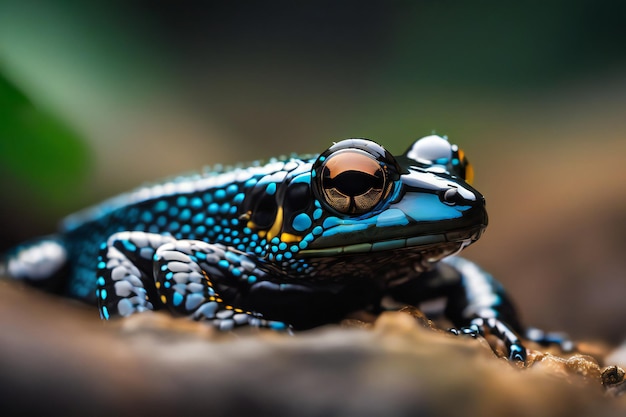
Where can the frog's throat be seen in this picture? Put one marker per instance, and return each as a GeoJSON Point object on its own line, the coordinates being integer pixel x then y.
{"type": "Point", "coordinates": [463, 238]}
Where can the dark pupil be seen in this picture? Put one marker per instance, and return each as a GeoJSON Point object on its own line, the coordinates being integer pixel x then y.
{"type": "Point", "coordinates": [353, 183]}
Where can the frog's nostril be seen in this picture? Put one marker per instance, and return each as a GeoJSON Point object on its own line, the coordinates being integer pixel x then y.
{"type": "Point", "coordinates": [452, 196]}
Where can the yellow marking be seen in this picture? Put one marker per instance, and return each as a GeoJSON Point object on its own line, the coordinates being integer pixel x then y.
{"type": "Point", "coordinates": [278, 224]}
{"type": "Point", "coordinates": [262, 233]}
{"type": "Point", "coordinates": [238, 310]}
{"type": "Point", "coordinates": [290, 238]}
{"type": "Point", "coordinates": [469, 173]}
{"type": "Point", "coordinates": [157, 284]}
{"type": "Point", "coordinates": [228, 307]}
{"type": "Point", "coordinates": [163, 299]}
{"type": "Point", "coordinates": [250, 225]}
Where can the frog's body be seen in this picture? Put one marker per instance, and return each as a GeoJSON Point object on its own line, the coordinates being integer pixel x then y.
{"type": "Point", "coordinates": [296, 242]}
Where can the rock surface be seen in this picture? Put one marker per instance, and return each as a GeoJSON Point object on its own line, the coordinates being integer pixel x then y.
{"type": "Point", "coordinates": [56, 356]}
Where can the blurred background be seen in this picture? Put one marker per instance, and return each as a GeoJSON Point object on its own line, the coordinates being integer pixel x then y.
{"type": "Point", "coordinates": [96, 99]}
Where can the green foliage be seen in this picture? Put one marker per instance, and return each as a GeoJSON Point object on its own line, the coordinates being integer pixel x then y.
{"type": "Point", "coordinates": [37, 148]}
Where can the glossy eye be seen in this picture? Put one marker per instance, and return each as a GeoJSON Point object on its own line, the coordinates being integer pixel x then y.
{"type": "Point", "coordinates": [352, 181]}
{"type": "Point", "coordinates": [437, 154]}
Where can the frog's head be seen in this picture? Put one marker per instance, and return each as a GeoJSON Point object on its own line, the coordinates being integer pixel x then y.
{"type": "Point", "coordinates": [368, 201]}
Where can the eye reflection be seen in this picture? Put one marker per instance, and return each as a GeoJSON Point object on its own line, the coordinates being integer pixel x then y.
{"type": "Point", "coordinates": [353, 182]}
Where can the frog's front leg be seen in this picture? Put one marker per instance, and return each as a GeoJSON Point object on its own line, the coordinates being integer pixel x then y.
{"type": "Point", "coordinates": [476, 303]}
{"type": "Point", "coordinates": [480, 306]}
{"type": "Point", "coordinates": [125, 283]}
{"type": "Point", "coordinates": [194, 278]}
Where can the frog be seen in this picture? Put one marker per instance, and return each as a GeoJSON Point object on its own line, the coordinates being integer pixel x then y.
{"type": "Point", "coordinates": [289, 244]}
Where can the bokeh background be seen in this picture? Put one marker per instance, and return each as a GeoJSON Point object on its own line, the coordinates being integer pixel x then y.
{"type": "Point", "coordinates": [96, 99]}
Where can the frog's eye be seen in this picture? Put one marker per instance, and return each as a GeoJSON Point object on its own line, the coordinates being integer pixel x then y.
{"type": "Point", "coordinates": [436, 154]}
{"type": "Point", "coordinates": [352, 180]}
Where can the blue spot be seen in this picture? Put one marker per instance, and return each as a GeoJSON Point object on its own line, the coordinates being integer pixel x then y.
{"type": "Point", "coordinates": [177, 298]}
{"type": "Point", "coordinates": [103, 294]}
{"type": "Point", "coordinates": [198, 218]}
{"type": "Point", "coordinates": [173, 211]}
{"type": "Point", "coordinates": [103, 246]}
{"type": "Point", "coordinates": [232, 257]}
{"type": "Point", "coordinates": [345, 229]}
{"type": "Point", "coordinates": [200, 255]}
{"type": "Point", "coordinates": [282, 246]}
{"type": "Point", "coordinates": [195, 203]}
{"type": "Point", "coordinates": [147, 217]}
{"type": "Point", "coordinates": [169, 275]}
{"type": "Point", "coordinates": [173, 227]}
{"type": "Point", "coordinates": [220, 194]}
{"type": "Point", "coordinates": [101, 265]}
{"type": "Point", "coordinates": [251, 279]}
{"type": "Point", "coordinates": [392, 217]}
{"type": "Point", "coordinates": [224, 208]}
{"type": "Point", "coordinates": [163, 267]}
{"type": "Point", "coordinates": [275, 240]}
{"type": "Point", "coordinates": [207, 198]}
{"type": "Point", "coordinates": [213, 208]}
{"type": "Point", "coordinates": [100, 281]}
{"type": "Point", "coordinates": [200, 230]}
{"type": "Point", "coordinates": [288, 255]}
{"type": "Point", "coordinates": [167, 284]}
{"type": "Point", "coordinates": [294, 248]}
{"type": "Point", "coordinates": [182, 201]}
{"type": "Point", "coordinates": [455, 161]}
{"type": "Point", "coordinates": [234, 221]}
{"type": "Point", "coordinates": [331, 222]}
{"type": "Point", "coordinates": [250, 183]}
{"type": "Point", "coordinates": [317, 230]}
{"type": "Point", "coordinates": [185, 229]}
{"type": "Point", "coordinates": [160, 206]}
{"type": "Point", "coordinates": [161, 221]}
{"type": "Point", "coordinates": [303, 244]}
{"type": "Point", "coordinates": [274, 248]}
{"type": "Point", "coordinates": [279, 257]}
{"type": "Point", "coordinates": [241, 247]}
{"type": "Point", "coordinates": [271, 188]}
{"type": "Point", "coordinates": [185, 214]}
{"type": "Point", "coordinates": [209, 221]}
{"type": "Point", "coordinates": [129, 246]}
{"type": "Point", "coordinates": [223, 264]}
{"type": "Point", "coordinates": [105, 312]}
{"type": "Point", "coordinates": [276, 325]}
{"type": "Point", "coordinates": [301, 222]}
{"type": "Point", "coordinates": [236, 272]}
{"type": "Point", "coordinates": [441, 161]}
{"type": "Point", "coordinates": [317, 213]}
{"type": "Point", "coordinates": [239, 198]}
{"type": "Point", "coordinates": [232, 189]}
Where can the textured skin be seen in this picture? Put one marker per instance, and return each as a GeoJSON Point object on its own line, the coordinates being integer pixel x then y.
{"type": "Point", "coordinates": [280, 245]}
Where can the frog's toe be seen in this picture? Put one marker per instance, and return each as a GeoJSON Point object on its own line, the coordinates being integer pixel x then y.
{"type": "Point", "coordinates": [516, 352]}
{"type": "Point", "coordinates": [471, 330]}
{"type": "Point", "coordinates": [560, 339]}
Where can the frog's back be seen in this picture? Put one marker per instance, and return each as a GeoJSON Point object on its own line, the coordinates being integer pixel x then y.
{"type": "Point", "coordinates": [204, 206]}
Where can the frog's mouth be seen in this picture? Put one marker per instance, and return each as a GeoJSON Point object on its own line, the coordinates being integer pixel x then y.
{"type": "Point", "coordinates": [423, 243]}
